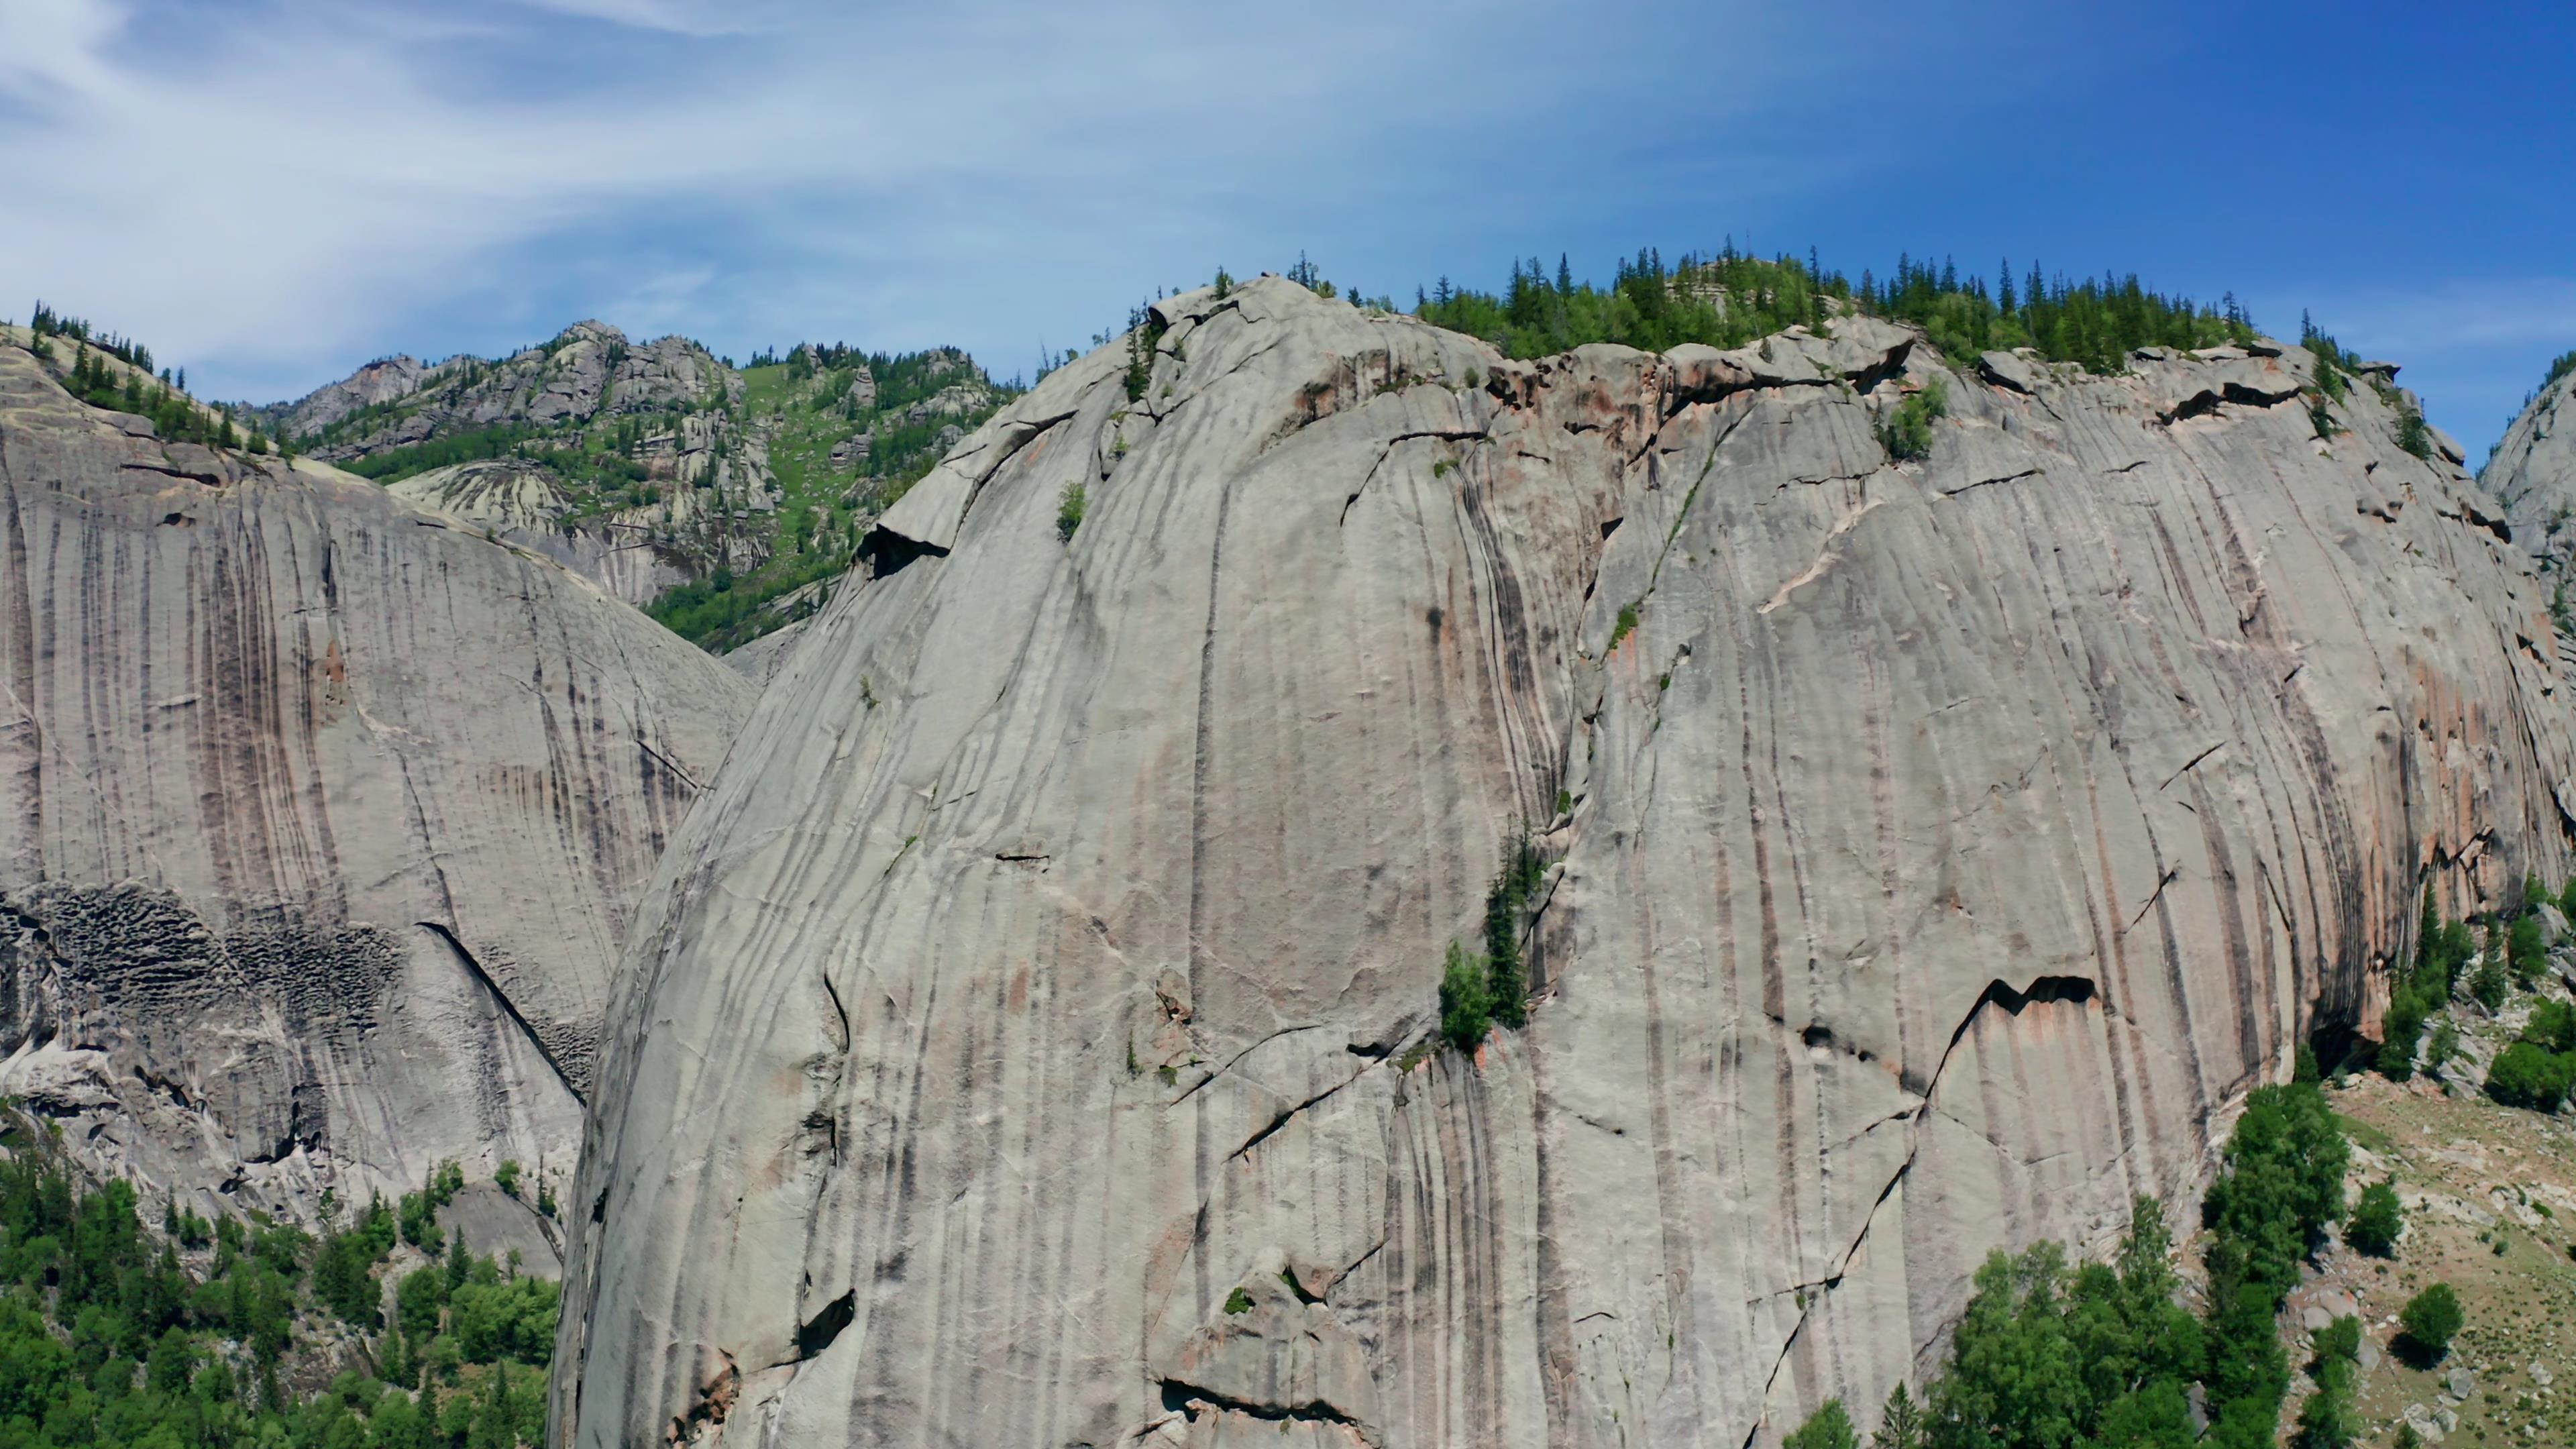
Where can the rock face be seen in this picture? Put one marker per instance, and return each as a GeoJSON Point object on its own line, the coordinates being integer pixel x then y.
{"type": "Point", "coordinates": [528, 506]}
{"type": "Point", "coordinates": [373, 385]}
{"type": "Point", "coordinates": [2534, 473]}
{"type": "Point", "coordinates": [588, 369]}
{"type": "Point", "coordinates": [321, 817]}
{"type": "Point", "coordinates": [1032, 1036]}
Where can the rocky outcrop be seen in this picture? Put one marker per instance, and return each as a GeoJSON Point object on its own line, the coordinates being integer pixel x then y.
{"type": "Point", "coordinates": [321, 816]}
{"type": "Point", "coordinates": [385, 380]}
{"type": "Point", "coordinates": [1031, 1037]}
{"type": "Point", "coordinates": [526, 505]}
{"type": "Point", "coordinates": [2533, 471]}
{"type": "Point", "coordinates": [589, 370]}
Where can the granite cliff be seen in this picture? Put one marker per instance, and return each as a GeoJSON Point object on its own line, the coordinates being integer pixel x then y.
{"type": "Point", "coordinates": [321, 818]}
{"type": "Point", "coordinates": [2533, 470]}
{"type": "Point", "coordinates": [1032, 1036]}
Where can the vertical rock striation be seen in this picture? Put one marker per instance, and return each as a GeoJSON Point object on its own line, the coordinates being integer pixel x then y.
{"type": "Point", "coordinates": [320, 818]}
{"type": "Point", "coordinates": [1027, 1040]}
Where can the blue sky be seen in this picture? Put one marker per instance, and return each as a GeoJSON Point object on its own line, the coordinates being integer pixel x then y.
{"type": "Point", "coordinates": [272, 191]}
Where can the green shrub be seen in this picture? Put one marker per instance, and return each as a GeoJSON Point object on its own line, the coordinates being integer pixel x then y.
{"type": "Point", "coordinates": [419, 1300]}
{"type": "Point", "coordinates": [507, 1177]}
{"type": "Point", "coordinates": [1907, 434]}
{"type": "Point", "coordinates": [2328, 1420]}
{"type": "Point", "coordinates": [2398, 1031]}
{"type": "Point", "coordinates": [495, 1318]}
{"type": "Point", "coordinates": [1238, 1302]}
{"type": "Point", "coordinates": [1466, 998]}
{"type": "Point", "coordinates": [2339, 1339]}
{"type": "Point", "coordinates": [2526, 1075]}
{"type": "Point", "coordinates": [2431, 1319]}
{"type": "Point", "coordinates": [1829, 1428]}
{"type": "Point", "coordinates": [2413, 435]}
{"type": "Point", "coordinates": [2489, 983]}
{"type": "Point", "coordinates": [2376, 1221]}
{"type": "Point", "coordinates": [2552, 1026]}
{"type": "Point", "coordinates": [1507, 903]}
{"type": "Point", "coordinates": [1144, 331]}
{"type": "Point", "coordinates": [2444, 1045]}
{"type": "Point", "coordinates": [2321, 418]}
{"type": "Point", "coordinates": [2523, 951]}
{"type": "Point", "coordinates": [1069, 510]}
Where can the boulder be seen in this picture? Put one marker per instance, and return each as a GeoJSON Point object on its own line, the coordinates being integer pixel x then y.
{"type": "Point", "coordinates": [1946, 848]}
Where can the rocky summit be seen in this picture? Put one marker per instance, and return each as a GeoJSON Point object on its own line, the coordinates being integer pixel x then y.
{"type": "Point", "coordinates": [323, 816]}
{"type": "Point", "coordinates": [716, 496]}
{"type": "Point", "coordinates": [1927, 791]}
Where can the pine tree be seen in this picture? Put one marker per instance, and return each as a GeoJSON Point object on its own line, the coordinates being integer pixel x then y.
{"type": "Point", "coordinates": [1900, 1423]}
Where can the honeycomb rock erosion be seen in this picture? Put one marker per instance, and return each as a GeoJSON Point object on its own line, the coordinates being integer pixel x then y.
{"type": "Point", "coordinates": [1025, 1039]}
{"type": "Point", "coordinates": [321, 818]}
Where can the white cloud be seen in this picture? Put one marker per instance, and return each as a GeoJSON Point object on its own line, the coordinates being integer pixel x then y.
{"type": "Point", "coordinates": [272, 189]}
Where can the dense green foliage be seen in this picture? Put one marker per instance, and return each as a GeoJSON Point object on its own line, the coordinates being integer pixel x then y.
{"type": "Point", "coordinates": [1829, 1428]}
{"type": "Point", "coordinates": [2442, 949]}
{"type": "Point", "coordinates": [2047, 1356]}
{"type": "Point", "coordinates": [1144, 334]}
{"type": "Point", "coordinates": [1479, 990]}
{"type": "Point", "coordinates": [2539, 1069]}
{"type": "Point", "coordinates": [107, 1339]}
{"type": "Point", "coordinates": [2053, 1356]}
{"type": "Point", "coordinates": [2559, 366]}
{"type": "Point", "coordinates": [1466, 998]}
{"type": "Point", "coordinates": [2377, 1220]}
{"type": "Point", "coordinates": [133, 388]}
{"type": "Point", "coordinates": [2432, 1319]}
{"type": "Point", "coordinates": [1730, 298]}
{"type": "Point", "coordinates": [2413, 434]}
{"type": "Point", "coordinates": [2329, 1420]}
{"type": "Point", "coordinates": [2524, 953]}
{"type": "Point", "coordinates": [173, 414]}
{"type": "Point", "coordinates": [1069, 509]}
{"type": "Point", "coordinates": [46, 322]}
{"type": "Point", "coordinates": [1907, 433]}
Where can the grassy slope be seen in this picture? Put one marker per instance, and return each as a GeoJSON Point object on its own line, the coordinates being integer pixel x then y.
{"type": "Point", "coordinates": [2471, 1174]}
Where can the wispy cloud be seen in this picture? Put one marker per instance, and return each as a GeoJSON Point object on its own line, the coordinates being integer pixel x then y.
{"type": "Point", "coordinates": [273, 190]}
{"type": "Point", "coordinates": [270, 188]}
